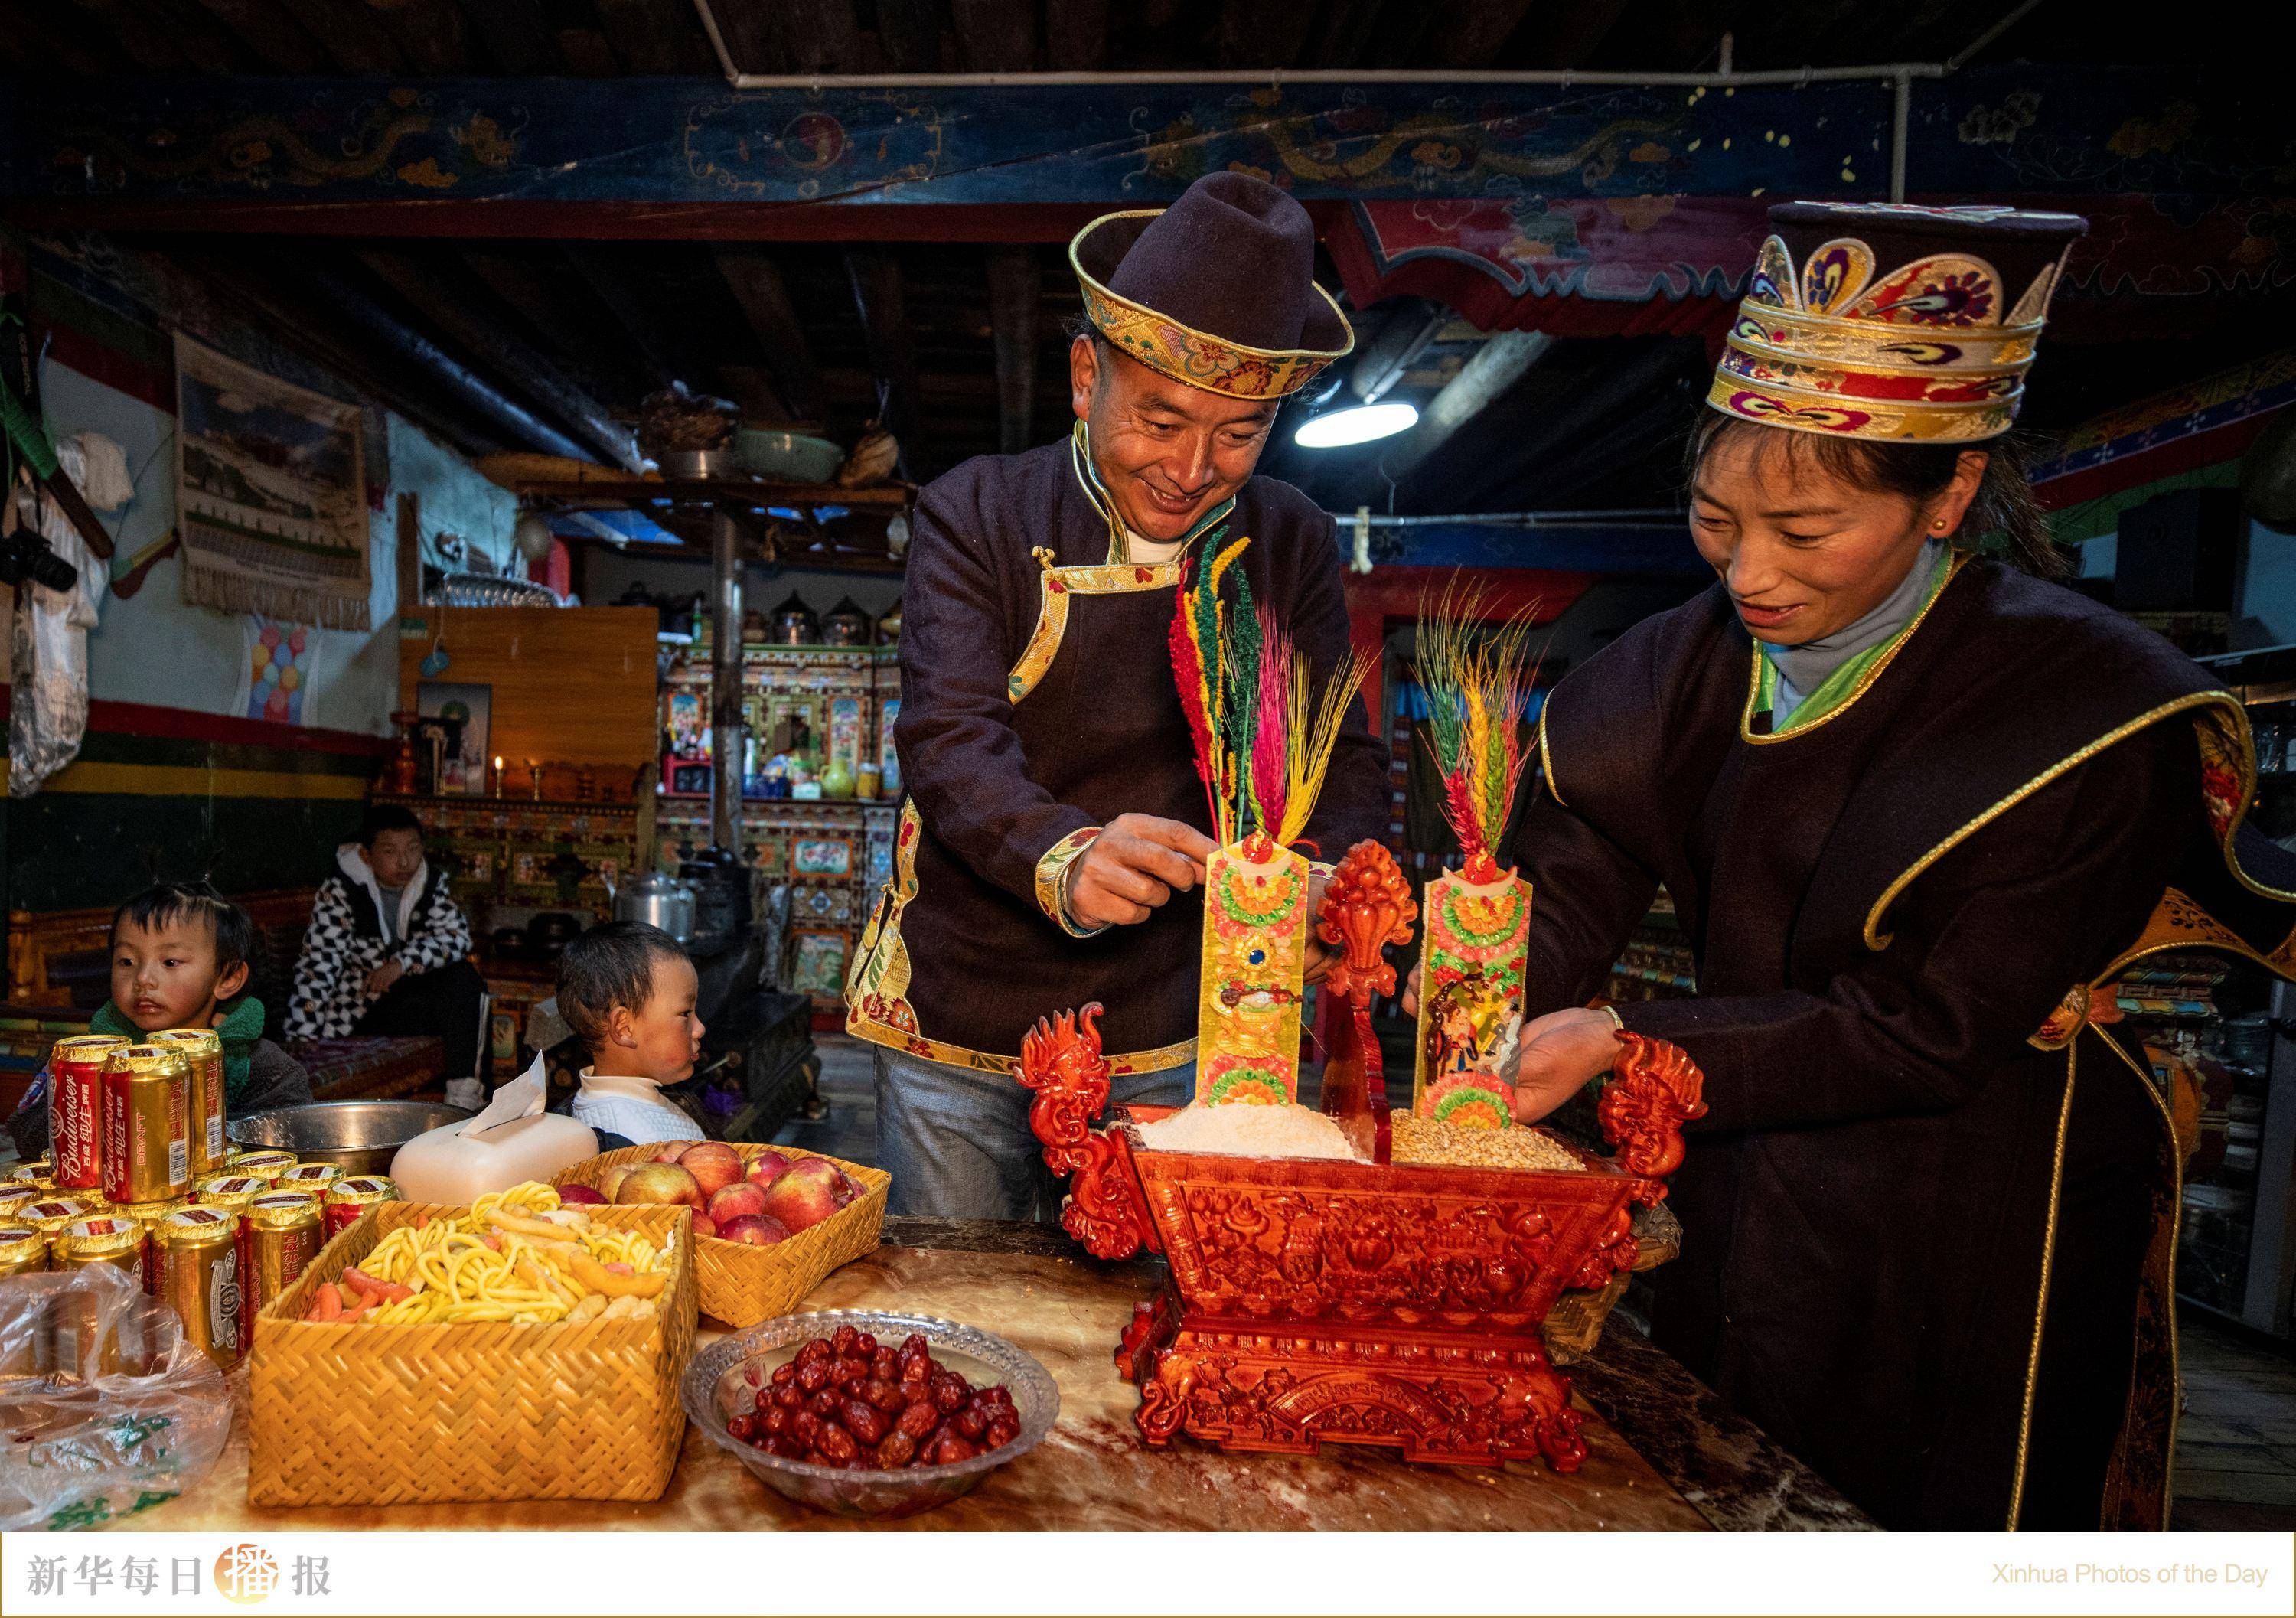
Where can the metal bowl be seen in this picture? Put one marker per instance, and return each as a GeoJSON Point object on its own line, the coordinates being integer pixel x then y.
{"type": "Point", "coordinates": [691, 464]}
{"type": "Point", "coordinates": [722, 1382]}
{"type": "Point", "coordinates": [361, 1136]}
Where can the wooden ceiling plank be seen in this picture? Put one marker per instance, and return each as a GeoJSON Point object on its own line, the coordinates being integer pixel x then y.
{"type": "Point", "coordinates": [267, 28]}
{"type": "Point", "coordinates": [1263, 33]}
{"type": "Point", "coordinates": [1345, 38]}
{"type": "Point", "coordinates": [909, 32]}
{"type": "Point", "coordinates": [818, 35]}
{"type": "Point", "coordinates": [1076, 36]}
{"type": "Point", "coordinates": [1471, 36]}
{"type": "Point", "coordinates": [994, 36]}
{"type": "Point", "coordinates": [516, 35]}
{"type": "Point", "coordinates": [153, 49]}
{"type": "Point", "coordinates": [209, 45]}
{"type": "Point", "coordinates": [54, 39]}
{"type": "Point", "coordinates": [432, 34]}
{"type": "Point", "coordinates": [1015, 301]}
{"type": "Point", "coordinates": [349, 34]}
{"type": "Point", "coordinates": [756, 283]}
{"type": "Point", "coordinates": [879, 294]}
{"type": "Point", "coordinates": [650, 36]}
{"type": "Point", "coordinates": [1568, 35]}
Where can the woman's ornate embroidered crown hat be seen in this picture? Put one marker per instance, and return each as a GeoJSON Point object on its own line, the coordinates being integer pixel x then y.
{"type": "Point", "coordinates": [1218, 291]}
{"type": "Point", "coordinates": [1881, 320]}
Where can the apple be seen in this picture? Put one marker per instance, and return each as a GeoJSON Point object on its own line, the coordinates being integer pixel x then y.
{"type": "Point", "coordinates": [661, 1183]}
{"type": "Point", "coordinates": [670, 1151]}
{"type": "Point", "coordinates": [713, 1164]}
{"type": "Point", "coordinates": [703, 1224]}
{"type": "Point", "coordinates": [570, 1197]}
{"type": "Point", "coordinates": [769, 1166]}
{"type": "Point", "coordinates": [610, 1183]}
{"type": "Point", "coordinates": [754, 1230]}
{"type": "Point", "coordinates": [806, 1195]}
{"type": "Point", "coordinates": [731, 1202]}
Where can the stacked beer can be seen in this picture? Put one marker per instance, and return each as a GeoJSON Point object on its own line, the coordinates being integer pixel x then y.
{"type": "Point", "coordinates": [140, 1177]}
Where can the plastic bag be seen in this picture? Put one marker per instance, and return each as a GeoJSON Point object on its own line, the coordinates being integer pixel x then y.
{"type": "Point", "coordinates": [104, 1408]}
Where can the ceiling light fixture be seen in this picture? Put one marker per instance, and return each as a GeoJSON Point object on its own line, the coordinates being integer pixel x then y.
{"type": "Point", "coordinates": [1356, 425]}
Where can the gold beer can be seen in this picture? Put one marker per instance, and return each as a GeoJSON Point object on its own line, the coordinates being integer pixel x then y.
{"type": "Point", "coordinates": [13, 1198]}
{"type": "Point", "coordinates": [35, 1175]}
{"type": "Point", "coordinates": [313, 1178]}
{"type": "Point", "coordinates": [202, 1053]}
{"type": "Point", "coordinates": [195, 1271]}
{"type": "Point", "coordinates": [147, 1124]}
{"type": "Point", "coordinates": [148, 1214]}
{"type": "Point", "coordinates": [23, 1251]}
{"type": "Point", "coordinates": [232, 1191]}
{"type": "Point", "coordinates": [283, 1235]}
{"type": "Point", "coordinates": [347, 1199]}
{"type": "Point", "coordinates": [266, 1165]}
{"type": "Point", "coordinates": [50, 1217]}
{"type": "Point", "coordinates": [105, 1238]}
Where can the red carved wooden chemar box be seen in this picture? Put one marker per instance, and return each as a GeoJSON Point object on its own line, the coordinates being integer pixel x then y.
{"type": "Point", "coordinates": [1315, 1300]}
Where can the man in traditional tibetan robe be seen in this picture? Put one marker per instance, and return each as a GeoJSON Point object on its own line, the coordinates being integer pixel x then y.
{"type": "Point", "coordinates": [1054, 832]}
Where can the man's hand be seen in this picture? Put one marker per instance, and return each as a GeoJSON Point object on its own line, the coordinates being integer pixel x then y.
{"type": "Point", "coordinates": [1411, 992]}
{"type": "Point", "coordinates": [379, 981]}
{"type": "Point", "coordinates": [1136, 864]}
{"type": "Point", "coordinates": [1562, 1053]}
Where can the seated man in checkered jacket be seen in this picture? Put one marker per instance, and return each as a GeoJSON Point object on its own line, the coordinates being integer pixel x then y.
{"type": "Point", "coordinates": [388, 952]}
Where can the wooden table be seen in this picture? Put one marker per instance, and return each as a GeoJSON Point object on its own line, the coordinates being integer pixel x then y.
{"type": "Point", "coordinates": [1661, 1453]}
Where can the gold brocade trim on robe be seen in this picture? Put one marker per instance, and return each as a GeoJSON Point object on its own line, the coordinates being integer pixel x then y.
{"type": "Point", "coordinates": [1546, 757]}
{"type": "Point", "coordinates": [877, 984]}
{"type": "Point", "coordinates": [1055, 587]}
{"type": "Point", "coordinates": [1746, 732]}
{"type": "Point", "coordinates": [2228, 786]}
{"type": "Point", "coordinates": [1052, 866]}
{"type": "Point", "coordinates": [2041, 1310]}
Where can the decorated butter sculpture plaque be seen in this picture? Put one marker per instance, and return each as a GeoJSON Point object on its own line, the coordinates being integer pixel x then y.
{"type": "Point", "coordinates": [1255, 963]}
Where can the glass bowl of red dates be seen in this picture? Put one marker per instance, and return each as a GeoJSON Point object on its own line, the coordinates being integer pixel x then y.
{"type": "Point", "coordinates": [867, 1413]}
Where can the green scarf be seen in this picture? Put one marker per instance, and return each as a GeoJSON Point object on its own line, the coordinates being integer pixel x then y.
{"type": "Point", "coordinates": [242, 1028]}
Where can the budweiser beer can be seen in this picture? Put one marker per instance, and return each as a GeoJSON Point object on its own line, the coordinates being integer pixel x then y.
{"type": "Point", "coordinates": [13, 1199]}
{"type": "Point", "coordinates": [282, 1232]}
{"type": "Point", "coordinates": [147, 1124]}
{"type": "Point", "coordinates": [202, 1053]}
{"type": "Point", "coordinates": [347, 1199]}
{"type": "Point", "coordinates": [232, 1191]}
{"type": "Point", "coordinates": [195, 1271]}
{"type": "Point", "coordinates": [76, 1110]}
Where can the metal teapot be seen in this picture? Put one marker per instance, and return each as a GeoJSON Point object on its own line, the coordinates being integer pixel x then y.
{"type": "Point", "coordinates": [660, 901]}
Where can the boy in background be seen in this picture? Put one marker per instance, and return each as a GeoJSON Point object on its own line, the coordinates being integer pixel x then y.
{"type": "Point", "coordinates": [178, 952]}
{"type": "Point", "coordinates": [628, 990]}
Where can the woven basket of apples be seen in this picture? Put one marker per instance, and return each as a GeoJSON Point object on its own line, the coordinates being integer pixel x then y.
{"type": "Point", "coordinates": [772, 1220]}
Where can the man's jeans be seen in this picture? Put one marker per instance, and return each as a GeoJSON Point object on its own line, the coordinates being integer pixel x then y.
{"type": "Point", "coordinates": [957, 1141]}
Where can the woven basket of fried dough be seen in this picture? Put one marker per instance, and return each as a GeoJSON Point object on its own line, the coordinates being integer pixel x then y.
{"type": "Point", "coordinates": [742, 1285]}
{"type": "Point", "coordinates": [391, 1415]}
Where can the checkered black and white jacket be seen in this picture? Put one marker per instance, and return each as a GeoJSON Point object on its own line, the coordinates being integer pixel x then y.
{"type": "Point", "coordinates": [345, 943]}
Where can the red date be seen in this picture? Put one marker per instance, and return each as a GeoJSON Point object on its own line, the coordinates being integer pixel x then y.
{"type": "Point", "coordinates": [850, 1400]}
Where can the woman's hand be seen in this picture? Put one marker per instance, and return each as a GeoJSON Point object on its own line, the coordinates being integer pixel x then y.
{"type": "Point", "coordinates": [1562, 1053]}
{"type": "Point", "coordinates": [379, 981]}
{"type": "Point", "coordinates": [1411, 993]}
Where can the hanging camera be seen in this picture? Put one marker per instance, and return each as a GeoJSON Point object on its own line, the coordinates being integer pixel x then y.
{"type": "Point", "coordinates": [24, 555]}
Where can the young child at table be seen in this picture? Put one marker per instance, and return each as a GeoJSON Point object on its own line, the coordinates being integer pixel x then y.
{"type": "Point", "coordinates": [179, 952]}
{"type": "Point", "coordinates": [626, 990]}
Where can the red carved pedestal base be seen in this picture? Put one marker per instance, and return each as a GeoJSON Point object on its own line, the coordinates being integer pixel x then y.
{"type": "Point", "coordinates": [1461, 1398]}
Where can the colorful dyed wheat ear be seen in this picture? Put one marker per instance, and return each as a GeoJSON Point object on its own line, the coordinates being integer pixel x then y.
{"type": "Point", "coordinates": [1478, 682]}
{"type": "Point", "coordinates": [1264, 728]}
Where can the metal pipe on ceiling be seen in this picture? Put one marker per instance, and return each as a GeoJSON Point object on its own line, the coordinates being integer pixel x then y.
{"type": "Point", "coordinates": [1563, 77]}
